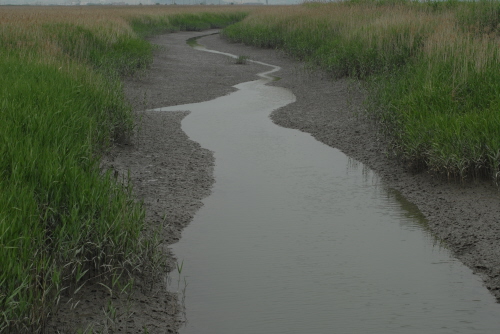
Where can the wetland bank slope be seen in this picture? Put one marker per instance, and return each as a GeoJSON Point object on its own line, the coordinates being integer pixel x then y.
{"type": "Point", "coordinates": [171, 174]}
{"type": "Point", "coordinates": [465, 216]}
{"type": "Point", "coordinates": [428, 70]}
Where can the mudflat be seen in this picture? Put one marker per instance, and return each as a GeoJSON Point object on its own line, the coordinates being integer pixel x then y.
{"type": "Point", "coordinates": [172, 174]}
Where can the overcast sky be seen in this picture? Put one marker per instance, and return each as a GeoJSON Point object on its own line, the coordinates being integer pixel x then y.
{"type": "Point", "coordinates": [132, 2]}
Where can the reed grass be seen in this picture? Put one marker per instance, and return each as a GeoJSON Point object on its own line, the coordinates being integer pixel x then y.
{"type": "Point", "coordinates": [64, 221]}
{"type": "Point", "coordinates": [432, 69]}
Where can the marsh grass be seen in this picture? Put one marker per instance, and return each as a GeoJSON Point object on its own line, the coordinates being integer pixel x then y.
{"type": "Point", "coordinates": [63, 221]}
{"type": "Point", "coordinates": [432, 69]}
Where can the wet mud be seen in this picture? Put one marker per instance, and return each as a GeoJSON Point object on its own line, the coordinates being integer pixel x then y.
{"type": "Point", "coordinates": [172, 174]}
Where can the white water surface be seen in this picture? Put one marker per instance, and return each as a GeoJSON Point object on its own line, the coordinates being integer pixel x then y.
{"type": "Point", "coordinates": [298, 238]}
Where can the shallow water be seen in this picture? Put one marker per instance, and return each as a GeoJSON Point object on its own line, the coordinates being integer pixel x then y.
{"type": "Point", "coordinates": [298, 238]}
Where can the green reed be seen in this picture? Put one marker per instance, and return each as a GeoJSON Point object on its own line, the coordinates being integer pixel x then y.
{"type": "Point", "coordinates": [432, 69]}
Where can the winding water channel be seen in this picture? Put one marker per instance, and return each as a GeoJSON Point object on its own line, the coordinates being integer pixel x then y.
{"type": "Point", "coordinates": [298, 238]}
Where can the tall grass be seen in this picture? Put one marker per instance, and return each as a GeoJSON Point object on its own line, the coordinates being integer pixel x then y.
{"type": "Point", "coordinates": [63, 221]}
{"type": "Point", "coordinates": [148, 25]}
{"type": "Point", "coordinates": [432, 68]}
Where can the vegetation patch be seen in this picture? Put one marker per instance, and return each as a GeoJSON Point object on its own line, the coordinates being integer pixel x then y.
{"type": "Point", "coordinates": [431, 67]}
{"type": "Point", "coordinates": [64, 221]}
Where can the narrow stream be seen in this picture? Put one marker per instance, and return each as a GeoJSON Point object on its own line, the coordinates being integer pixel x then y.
{"type": "Point", "coordinates": [298, 238]}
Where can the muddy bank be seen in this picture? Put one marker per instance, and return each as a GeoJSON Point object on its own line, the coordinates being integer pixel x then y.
{"type": "Point", "coordinates": [172, 174]}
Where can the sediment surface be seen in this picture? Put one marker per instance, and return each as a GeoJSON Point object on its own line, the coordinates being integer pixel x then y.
{"type": "Point", "coordinates": [172, 174]}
